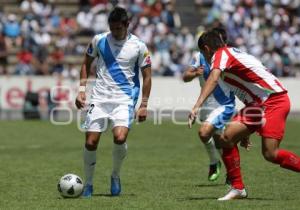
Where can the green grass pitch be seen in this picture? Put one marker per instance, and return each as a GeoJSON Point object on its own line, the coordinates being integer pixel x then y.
{"type": "Point", "coordinates": [166, 168]}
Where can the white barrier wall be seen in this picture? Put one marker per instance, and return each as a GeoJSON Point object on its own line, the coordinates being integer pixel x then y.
{"type": "Point", "coordinates": [14, 88]}
{"type": "Point", "coordinates": [171, 92]}
{"type": "Point", "coordinates": [167, 93]}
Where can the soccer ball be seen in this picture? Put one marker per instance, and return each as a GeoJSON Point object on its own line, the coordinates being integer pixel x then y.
{"type": "Point", "coordinates": [70, 186]}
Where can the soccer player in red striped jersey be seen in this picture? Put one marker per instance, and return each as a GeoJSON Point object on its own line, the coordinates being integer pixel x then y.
{"type": "Point", "coordinates": [266, 100]}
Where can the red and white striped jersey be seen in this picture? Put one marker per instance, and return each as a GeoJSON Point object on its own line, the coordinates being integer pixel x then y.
{"type": "Point", "coordinates": [246, 76]}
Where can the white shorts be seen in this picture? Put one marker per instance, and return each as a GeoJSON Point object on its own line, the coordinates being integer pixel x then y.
{"type": "Point", "coordinates": [218, 116]}
{"type": "Point", "coordinates": [100, 115]}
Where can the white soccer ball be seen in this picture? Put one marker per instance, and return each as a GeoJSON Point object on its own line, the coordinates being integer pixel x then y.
{"type": "Point", "coordinates": [70, 186]}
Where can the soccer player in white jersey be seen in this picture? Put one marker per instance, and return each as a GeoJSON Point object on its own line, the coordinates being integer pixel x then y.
{"type": "Point", "coordinates": [266, 102]}
{"type": "Point", "coordinates": [120, 56]}
{"type": "Point", "coordinates": [216, 111]}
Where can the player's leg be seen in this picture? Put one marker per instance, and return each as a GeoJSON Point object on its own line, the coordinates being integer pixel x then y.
{"type": "Point", "coordinates": [121, 117]}
{"type": "Point", "coordinates": [118, 155]}
{"type": "Point", "coordinates": [217, 136]}
{"type": "Point", "coordinates": [276, 110]}
{"type": "Point", "coordinates": [285, 158]}
{"type": "Point", "coordinates": [89, 160]}
{"type": "Point", "coordinates": [231, 158]}
{"type": "Point", "coordinates": [119, 149]}
{"type": "Point", "coordinates": [209, 117]}
{"type": "Point", "coordinates": [89, 155]}
{"type": "Point", "coordinates": [205, 134]}
{"type": "Point", "coordinates": [214, 124]}
{"type": "Point", "coordinates": [234, 132]}
{"type": "Point", "coordinates": [95, 123]}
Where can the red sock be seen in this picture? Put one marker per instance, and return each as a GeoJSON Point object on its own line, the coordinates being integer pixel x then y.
{"type": "Point", "coordinates": [288, 160]}
{"type": "Point", "coordinates": [231, 159]}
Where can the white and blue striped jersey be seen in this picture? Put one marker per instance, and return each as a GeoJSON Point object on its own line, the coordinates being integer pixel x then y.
{"type": "Point", "coordinates": [118, 66]}
{"type": "Point", "coordinates": [222, 94]}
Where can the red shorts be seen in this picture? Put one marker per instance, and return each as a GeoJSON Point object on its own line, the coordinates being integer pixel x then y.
{"type": "Point", "coordinates": [267, 119]}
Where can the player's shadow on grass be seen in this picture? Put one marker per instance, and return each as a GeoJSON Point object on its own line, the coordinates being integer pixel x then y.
{"type": "Point", "coordinates": [109, 195]}
{"type": "Point", "coordinates": [194, 198]}
{"type": "Point", "coordinates": [209, 185]}
{"type": "Point", "coordinates": [261, 199]}
{"type": "Point", "coordinates": [197, 198]}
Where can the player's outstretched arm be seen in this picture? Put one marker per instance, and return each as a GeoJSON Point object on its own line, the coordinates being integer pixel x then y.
{"type": "Point", "coordinates": [84, 73]}
{"type": "Point", "coordinates": [208, 88]}
{"type": "Point", "coordinates": [141, 114]}
{"type": "Point", "coordinates": [190, 73]}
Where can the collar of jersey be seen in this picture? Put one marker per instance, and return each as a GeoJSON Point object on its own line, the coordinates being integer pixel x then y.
{"type": "Point", "coordinates": [121, 41]}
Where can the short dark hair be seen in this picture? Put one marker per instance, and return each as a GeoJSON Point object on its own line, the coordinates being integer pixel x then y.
{"type": "Point", "coordinates": [118, 14]}
{"type": "Point", "coordinates": [212, 39]}
{"type": "Point", "coordinates": [222, 32]}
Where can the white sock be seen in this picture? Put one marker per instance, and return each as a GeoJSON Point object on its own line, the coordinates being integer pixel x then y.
{"type": "Point", "coordinates": [212, 151]}
{"type": "Point", "coordinates": [89, 162]}
{"type": "Point", "coordinates": [118, 155]}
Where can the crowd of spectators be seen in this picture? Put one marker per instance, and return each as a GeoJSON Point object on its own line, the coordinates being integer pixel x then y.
{"type": "Point", "coordinates": [267, 29]}
{"type": "Point", "coordinates": [43, 36]}
{"type": "Point", "coordinates": [39, 35]}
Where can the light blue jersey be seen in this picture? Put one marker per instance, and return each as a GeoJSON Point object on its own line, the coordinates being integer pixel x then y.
{"type": "Point", "coordinates": [118, 66]}
{"type": "Point", "coordinates": [117, 85]}
{"type": "Point", "coordinates": [222, 94]}
{"type": "Point", "coordinates": [219, 107]}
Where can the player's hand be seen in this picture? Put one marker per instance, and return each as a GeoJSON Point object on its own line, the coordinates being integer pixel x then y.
{"type": "Point", "coordinates": [192, 117]}
{"type": "Point", "coordinates": [199, 71]}
{"type": "Point", "coordinates": [246, 143]}
{"type": "Point", "coordinates": [141, 114]}
{"type": "Point", "coordinates": [80, 100]}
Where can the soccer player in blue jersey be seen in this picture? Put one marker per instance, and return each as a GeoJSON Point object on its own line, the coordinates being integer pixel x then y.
{"type": "Point", "coordinates": [120, 57]}
{"type": "Point", "coordinates": [217, 111]}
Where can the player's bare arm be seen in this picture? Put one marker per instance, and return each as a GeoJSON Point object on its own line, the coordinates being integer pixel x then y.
{"type": "Point", "coordinates": [84, 74]}
{"type": "Point", "coordinates": [190, 73]}
{"type": "Point", "coordinates": [141, 113]}
{"type": "Point", "coordinates": [208, 88]}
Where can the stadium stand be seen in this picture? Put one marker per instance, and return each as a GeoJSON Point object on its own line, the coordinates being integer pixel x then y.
{"type": "Point", "coordinates": [267, 29]}
{"type": "Point", "coordinates": [46, 37]}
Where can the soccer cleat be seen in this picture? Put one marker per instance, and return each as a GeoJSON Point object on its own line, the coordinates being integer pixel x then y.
{"type": "Point", "coordinates": [115, 186]}
{"type": "Point", "coordinates": [234, 194]}
{"type": "Point", "coordinates": [87, 191]}
{"type": "Point", "coordinates": [214, 171]}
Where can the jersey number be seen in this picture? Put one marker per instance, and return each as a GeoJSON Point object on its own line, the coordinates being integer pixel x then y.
{"type": "Point", "coordinates": [91, 108]}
